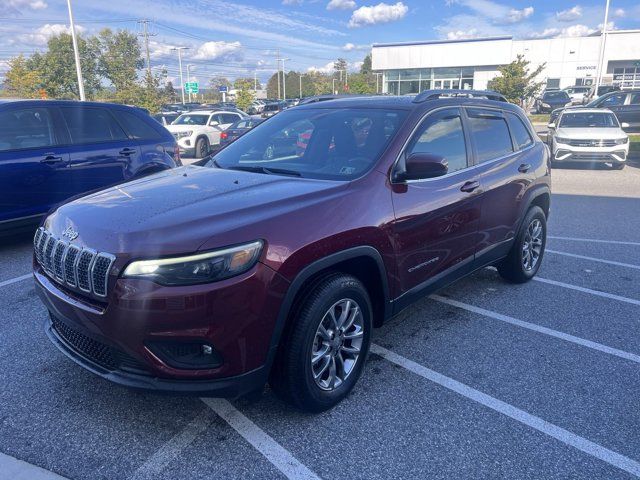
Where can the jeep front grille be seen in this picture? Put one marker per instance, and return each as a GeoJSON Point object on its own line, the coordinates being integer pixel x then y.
{"type": "Point", "coordinates": [76, 267]}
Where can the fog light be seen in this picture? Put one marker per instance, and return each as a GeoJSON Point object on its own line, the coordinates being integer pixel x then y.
{"type": "Point", "coordinates": [186, 355]}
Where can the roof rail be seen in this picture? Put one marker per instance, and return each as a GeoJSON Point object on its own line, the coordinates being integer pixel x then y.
{"type": "Point", "coordinates": [433, 94]}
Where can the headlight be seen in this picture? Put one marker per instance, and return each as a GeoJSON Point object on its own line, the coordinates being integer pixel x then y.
{"type": "Point", "coordinates": [622, 141]}
{"type": "Point", "coordinates": [562, 140]}
{"type": "Point", "coordinates": [199, 268]}
{"type": "Point", "coordinates": [180, 135]}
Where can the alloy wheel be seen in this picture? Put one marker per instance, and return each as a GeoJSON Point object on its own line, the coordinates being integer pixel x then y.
{"type": "Point", "coordinates": [337, 344]}
{"type": "Point", "coordinates": [532, 245]}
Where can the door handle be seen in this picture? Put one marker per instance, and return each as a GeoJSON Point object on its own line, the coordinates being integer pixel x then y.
{"type": "Point", "coordinates": [524, 168]}
{"type": "Point", "coordinates": [127, 151]}
{"type": "Point", "coordinates": [470, 186]}
{"type": "Point", "coordinates": [51, 158]}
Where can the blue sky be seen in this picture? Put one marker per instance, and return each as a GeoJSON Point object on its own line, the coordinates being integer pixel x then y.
{"type": "Point", "coordinates": [238, 38]}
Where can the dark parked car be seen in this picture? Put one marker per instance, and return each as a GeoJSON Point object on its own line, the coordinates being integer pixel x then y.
{"type": "Point", "coordinates": [271, 109]}
{"type": "Point", "coordinates": [260, 267]}
{"type": "Point", "coordinates": [551, 100]}
{"type": "Point", "coordinates": [53, 150]}
{"type": "Point", "coordinates": [238, 129]}
{"type": "Point", "coordinates": [624, 103]}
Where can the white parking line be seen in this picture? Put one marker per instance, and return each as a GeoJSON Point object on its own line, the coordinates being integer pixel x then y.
{"type": "Point", "coordinates": [537, 328]}
{"type": "Point", "coordinates": [14, 469]}
{"type": "Point", "coordinates": [172, 449]}
{"type": "Point", "coordinates": [594, 259]}
{"type": "Point", "coordinates": [15, 280]}
{"type": "Point", "coordinates": [281, 458]}
{"type": "Point", "coordinates": [593, 240]}
{"type": "Point", "coordinates": [598, 293]}
{"type": "Point", "coordinates": [568, 438]}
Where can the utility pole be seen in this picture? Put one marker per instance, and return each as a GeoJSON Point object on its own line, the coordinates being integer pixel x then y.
{"type": "Point", "coordinates": [300, 80]}
{"type": "Point", "coordinates": [284, 79]}
{"type": "Point", "coordinates": [189, 78]}
{"type": "Point", "coordinates": [179, 50]}
{"type": "Point", "coordinates": [278, 67]}
{"type": "Point", "coordinates": [145, 34]}
{"type": "Point", "coordinates": [76, 53]}
{"type": "Point", "coordinates": [603, 41]}
{"type": "Point", "coordinates": [333, 86]}
{"type": "Point", "coordinates": [255, 81]}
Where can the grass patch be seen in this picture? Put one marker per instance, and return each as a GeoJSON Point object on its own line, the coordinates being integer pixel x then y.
{"type": "Point", "coordinates": [540, 118]}
{"type": "Point", "coordinates": [634, 146]}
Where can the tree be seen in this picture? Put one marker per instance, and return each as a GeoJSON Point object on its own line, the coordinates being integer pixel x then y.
{"type": "Point", "coordinates": [244, 94]}
{"type": "Point", "coordinates": [215, 83]}
{"type": "Point", "coordinates": [340, 66]}
{"type": "Point", "coordinates": [362, 83]}
{"type": "Point", "coordinates": [119, 59]}
{"type": "Point", "coordinates": [366, 65]}
{"type": "Point", "coordinates": [515, 82]}
{"type": "Point", "coordinates": [169, 92]}
{"type": "Point", "coordinates": [22, 80]}
{"type": "Point", "coordinates": [272, 86]}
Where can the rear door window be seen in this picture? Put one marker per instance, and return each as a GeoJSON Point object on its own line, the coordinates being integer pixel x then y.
{"type": "Point", "coordinates": [635, 99]}
{"type": "Point", "coordinates": [614, 100]}
{"type": "Point", "coordinates": [136, 126]}
{"type": "Point", "coordinates": [26, 128]}
{"type": "Point", "coordinates": [490, 134]}
{"type": "Point", "coordinates": [91, 125]}
{"type": "Point", "coordinates": [519, 131]}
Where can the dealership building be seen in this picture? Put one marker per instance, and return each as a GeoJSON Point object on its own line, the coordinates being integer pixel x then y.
{"type": "Point", "coordinates": [408, 68]}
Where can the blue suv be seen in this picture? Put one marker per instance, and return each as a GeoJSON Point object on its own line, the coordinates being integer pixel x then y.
{"type": "Point", "coordinates": [53, 150]}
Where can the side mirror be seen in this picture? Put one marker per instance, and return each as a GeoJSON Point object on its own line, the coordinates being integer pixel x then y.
{"type": "Point", "coordinates": [624, 125]}
{"type": "Point", "coordinates": [419, 166]}
{"type": "Point", "coordinates": [551, 126]}
{"type": "Point", "coordinates": [213, 123]}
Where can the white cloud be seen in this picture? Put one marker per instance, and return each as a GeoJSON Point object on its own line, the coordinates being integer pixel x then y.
{"type": "Point", "coordinates": [341, 5]}
{"type": "Point", "coordinates": [570, 14]}
{"type": "Point", "coordinates": [381, 13]}
{"type": "Point", "coordinates": [292, 2]}
{"type": "Point", "coordinates": [462, 34]}
{"type": "Point", "coordinates": [41, 35]}
{"type": "Point", "coordinates": [515, 16]}
{"type": "Point", "coordinates": [328, 68]}
{"type": "Point", "coordinates": [160, 50]}
{"type": "Point", "coordinates": [213, 50]}
{"type": "Point", "coordinates": [349, 47]}
{"type": "Point", "coordinates": [619, 12]}
{"type": "Point", "coordinates": [15, 7]}
{"type": "Point", "coordinates": [577, 30]}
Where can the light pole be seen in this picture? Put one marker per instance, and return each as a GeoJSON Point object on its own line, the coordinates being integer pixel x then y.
{"type": "Point", "coordinates": [603, 41]}
{"type": "Point", "coordinates": [76, 53]}
{"type": "Point", "coordinates": [284, 79]}
{"type": "Point", "coordinates": [300, 80]}
{"type": "Point", "coordinates": [179, 50]}
{"type": "Point", "coordinates": [189, 79]}
{"type": "Point", "coordinates": [333, 86]}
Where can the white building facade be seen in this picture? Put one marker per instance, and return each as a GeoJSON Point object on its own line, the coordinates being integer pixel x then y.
{"type": "Point", "coordinates": [409, 68]}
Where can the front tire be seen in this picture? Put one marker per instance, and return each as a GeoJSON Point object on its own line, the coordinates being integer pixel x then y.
{"type": "Point", "coordinates": [202, 148]}
{"type": "Point", "coordinates": [617, 166]}
{"type": "Point", "coordinates": [525, 256]}
{"type": "Point", "coordinates": [324, 352]}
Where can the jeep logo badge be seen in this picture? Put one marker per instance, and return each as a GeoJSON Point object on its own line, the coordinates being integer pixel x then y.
{"type": "Point", "coordinates": [70, 233]}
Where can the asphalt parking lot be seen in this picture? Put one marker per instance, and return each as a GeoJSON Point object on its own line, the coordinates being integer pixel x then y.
{"type": "Point", "coordinates": [483, 380]}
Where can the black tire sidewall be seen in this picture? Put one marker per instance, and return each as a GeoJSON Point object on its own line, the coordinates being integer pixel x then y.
{"type": "Point", "coordinates": [199, 146]}
{"type": "Point", "coordinates": [533, 213]}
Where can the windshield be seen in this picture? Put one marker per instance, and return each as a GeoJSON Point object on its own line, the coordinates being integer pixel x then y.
{"type": "Point", "coordinates": [589, 120]}
{"type": "Point", "coordinates": [333, 144]}
{"type": "Point", "coordinates": [555, 95]}
{"type": "Point", "coordinates": [191, 119]}
{"type": "Point", "coordinates": [271, 107]}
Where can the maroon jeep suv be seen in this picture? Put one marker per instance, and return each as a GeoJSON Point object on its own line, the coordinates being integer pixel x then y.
{"type": "Point", "coordinates": [274, 260]}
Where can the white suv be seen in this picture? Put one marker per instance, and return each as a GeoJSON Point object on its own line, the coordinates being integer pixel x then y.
{"type": "Point", "coordinates": [591, 135]}
{"type": "Point", "coordinates": [197, 130]}
{"type": "Point", "coordinates": [578, 94]}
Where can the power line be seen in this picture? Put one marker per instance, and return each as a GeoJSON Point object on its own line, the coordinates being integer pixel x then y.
{"type": "Point", "coordinates": [146, 34]}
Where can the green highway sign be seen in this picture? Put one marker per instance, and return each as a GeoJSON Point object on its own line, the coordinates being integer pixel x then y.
{"type": "Point", "coordinates": [191, 87]}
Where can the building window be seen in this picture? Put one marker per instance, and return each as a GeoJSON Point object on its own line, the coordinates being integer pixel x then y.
{"type": "Point", "coordinates": [415, 80]}
{"type": "Point", "coordinates": [553, 83]}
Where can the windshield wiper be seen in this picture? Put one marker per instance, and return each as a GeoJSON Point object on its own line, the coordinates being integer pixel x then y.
{"type": "Point", "coordinates": [267, 170]}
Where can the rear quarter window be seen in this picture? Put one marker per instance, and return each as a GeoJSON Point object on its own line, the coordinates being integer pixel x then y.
{"type": "Point", "coordinates": [91, 125]}
{"type": "Point", "coordinates": [136, 126]}
{"type": "Point", "coordinates": [519, 131]}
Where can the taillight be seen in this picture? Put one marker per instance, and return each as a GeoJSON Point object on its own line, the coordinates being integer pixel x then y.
{"type": "Point", "coordinates": [176, 155]}
{"type": "Point", "coordinates": [224, 135]}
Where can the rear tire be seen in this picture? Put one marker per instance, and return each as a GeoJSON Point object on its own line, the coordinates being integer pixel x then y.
{"type": "Point", "coordinates": [323, 353]}
{"type": "Point", "coordinates": [202, 148]}
{"type": "Point", "coordinates": [617, 166]}
{"type": "Point", "coordinates": [525, 256]}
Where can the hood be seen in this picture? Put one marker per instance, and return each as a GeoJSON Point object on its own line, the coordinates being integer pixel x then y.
{"type": "Point", "coordinates": [178, 210]}
{"type": "Point", "coordinates": [590, 133]}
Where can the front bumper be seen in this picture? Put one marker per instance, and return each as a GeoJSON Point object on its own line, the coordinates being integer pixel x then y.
{"type": "Point", "coordinates": [568, 153]}
{"type": "Point", "coordinates": [115, 340]}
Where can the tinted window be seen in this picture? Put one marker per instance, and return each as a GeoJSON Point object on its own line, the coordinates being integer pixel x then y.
{"type": "Point", "coordinates": [229, 118]}
{"type": "Point", "coordinates": [136, 126]}
{"type": "Point", "coordinates": [490, 134]}
{"type": "Point", "coordinates": [613, 100]}
{"type": "Point", "coordinates": [555, 96]}
{"type": "Point", "coordinates": [519, 131]}
{"type": "Point", "coordinates": [588, 120]}
{"type": "Point", "coordinates": [90, 125]}
{"type": "Point", "coordinates": [26, 128]}
{"type": "Point", "coordinates": [635, 99]}
{"type": "Point", "coordinates": [337, 144]}
{"type": "Point", "coordinates": [441, 134]}
{"type": "Point", "coordinates": [189, 119]}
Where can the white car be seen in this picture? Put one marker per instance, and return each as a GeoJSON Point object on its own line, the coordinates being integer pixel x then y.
{"type": "Point", "coordinates": [578, 94]}
{"type": "Point", "coordinates": [198, 130]}
{"type": "Point", "coordinates": [591, 135]}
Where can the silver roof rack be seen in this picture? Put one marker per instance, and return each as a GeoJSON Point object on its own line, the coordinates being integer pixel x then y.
{"type": "Point", "coordinates": [434, 94]}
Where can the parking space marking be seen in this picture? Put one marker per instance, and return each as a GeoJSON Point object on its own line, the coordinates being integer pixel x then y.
{"type": "Point", "coordinates": [593, 240]}
{"type": "Point", "coordinates": [15, 280]}
{"type": "Point", "coordinates": [568, 438]}
{"type": "Point", "coordinates": [537, 328]}
{"type": "Point", "coordinates": [594, 259]}
{"type": "Point", "coordinates": [14, 469]}
{"type": "Point", "coordinates": [172, 449]}
{"type": "Point", "coordinates": [598, 293]}
{"type": "Point", "coordinates": [281, 458]}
